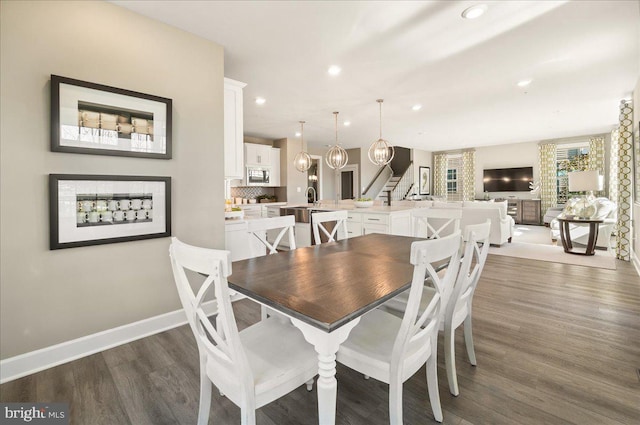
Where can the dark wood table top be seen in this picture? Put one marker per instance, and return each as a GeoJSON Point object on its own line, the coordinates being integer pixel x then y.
{"type": "Point", "coordinates": [580, 220]}
{"type": "Point", "coordinates": [328, 285]}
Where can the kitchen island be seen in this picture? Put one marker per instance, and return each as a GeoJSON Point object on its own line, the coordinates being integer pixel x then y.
{"type": "Point", "coordinates": [392, 220]}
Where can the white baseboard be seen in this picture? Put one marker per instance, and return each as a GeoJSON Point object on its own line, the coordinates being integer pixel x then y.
{"type": "Point", "coordinates": [35, 361]}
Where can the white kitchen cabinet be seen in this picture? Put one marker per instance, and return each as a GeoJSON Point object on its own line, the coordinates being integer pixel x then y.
{"type": "Point", "coordinates": [395, 223]}
{"type": "Point", "coordinates": [240, 243]}
{"type": "Point", "coordinates": [233, 129]}
{"type": "Point", "coordinates": [275, 167]}
{"type": "Point", "coordinates": [258, 155]}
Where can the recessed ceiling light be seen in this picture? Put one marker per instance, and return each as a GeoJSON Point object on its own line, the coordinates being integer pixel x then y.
{"type": "Point", "coordinates": [260, 100]}
{"type": "Point", "coordinates": [524, 83]}
{"type": "Point", "coordinates": [347, 123]}
{"type": "Point", "coordinates": [416, 107]}
{"type": "Point", "coordinates": [334, 70]}
{"type": "Point", "coordinates": [298, 134]}
{"type": "Point", "coordinates": [474, 12]}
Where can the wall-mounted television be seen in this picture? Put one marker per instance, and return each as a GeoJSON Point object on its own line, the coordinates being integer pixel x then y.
{"type": "Point", "coordinates": [508, 179]}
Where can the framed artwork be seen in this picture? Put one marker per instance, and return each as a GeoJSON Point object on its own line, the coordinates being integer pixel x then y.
{"type": "Point", "coordinates": [425, 180]}
{"type": "Point", "coordinates": [95, 119]}
{"type": "Point", "coordinates": [96, 209]}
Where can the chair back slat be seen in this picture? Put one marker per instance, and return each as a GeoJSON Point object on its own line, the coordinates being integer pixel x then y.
{"type": "Point", "coordinates": [476, 238]}
{"type": "Point", "coordinates": [418, 331]}
{"type": "Point", "coordinates": [339, 231]}
{"type": "Point", "coordinates": [286, 224]}
{"type": "Point", "coordinates": [434, 223]}
{"type": "Point", "coordinates": [220, 342]}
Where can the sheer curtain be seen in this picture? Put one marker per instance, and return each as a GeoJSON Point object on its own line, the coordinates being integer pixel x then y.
{"type": "Point", "coordinates": [440, 174]}
{"type": "Point", "coordinates": [548, 175]}
{"type": "Point", "coordinates": [625, 173]}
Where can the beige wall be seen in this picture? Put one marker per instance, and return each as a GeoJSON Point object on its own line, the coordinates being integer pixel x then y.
{"type": "Point", "coordinates": [295, 180]}
{"type": "Point", "coordinates": [49, 297]}
{"type": "Point", "coordinates": [421, 158]}
{"type": "Point", "coordinates": [506, 156]}
{"type": "Point", "coordinates": [328, 176]}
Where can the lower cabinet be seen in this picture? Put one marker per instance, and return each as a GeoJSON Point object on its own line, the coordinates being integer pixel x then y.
{"type": "Point", "coordinates": [396, 223]}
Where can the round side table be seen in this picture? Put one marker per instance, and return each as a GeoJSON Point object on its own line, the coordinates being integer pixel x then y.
{"type": "Point", "coordinates": [565, 235]}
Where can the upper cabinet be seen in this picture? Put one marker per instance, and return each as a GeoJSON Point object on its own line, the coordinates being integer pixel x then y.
{"type": "Point", "coordinates": [233, 129]}
{"type": "Point", "coordinates": [257, 155]}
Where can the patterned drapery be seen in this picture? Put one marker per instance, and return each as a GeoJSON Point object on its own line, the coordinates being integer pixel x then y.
{"type": "Point", "coordinates": [468, 175]}
{"type": "Point", "coordinates": [440, 174]}
{"type": "Point", "coordinates": [625, 173]}
{"type": "Point", "coordinates": [548, 175]}
{"type": "Point", "coordinates": [613, 166]}
{"type": "Point", "coordinates": [596, 158]}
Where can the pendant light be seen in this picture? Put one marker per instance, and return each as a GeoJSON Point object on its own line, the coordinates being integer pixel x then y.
{"type": "Point", "coordinates": [302, 161]}
{"type": "Point", "coordinates": [336, 157]}
{"type": "Point", "coordinates": [381, 152]}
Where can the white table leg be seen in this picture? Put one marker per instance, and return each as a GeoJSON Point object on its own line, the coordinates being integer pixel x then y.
{"type": "Point", "coordinates": [326, 345]}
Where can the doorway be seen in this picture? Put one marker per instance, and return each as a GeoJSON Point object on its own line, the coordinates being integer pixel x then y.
{"type": "Point", "coordinates": [314, 175]}
{"type": "Point", "coordinates": [348, 182]}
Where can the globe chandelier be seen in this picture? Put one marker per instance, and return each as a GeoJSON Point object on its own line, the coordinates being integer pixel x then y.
{"type": "Point", "coordinates": [336, 157]}
{"type": "Point", "coordinates": [381, 151]}
{"type": "Point", "coordinates": [302, 161]}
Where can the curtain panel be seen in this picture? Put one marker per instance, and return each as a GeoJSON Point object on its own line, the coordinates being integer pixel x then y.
{"type": "Point", "coordinates": [596, 159]}
{"type": "Point", "coordinates": [468, 175]}
{"type": "Point", "coordinates": [548, 176]}
{"type": "Point", "coordinates": [440, 174]}
{"type": "Point", "coordinates": [625, 173]}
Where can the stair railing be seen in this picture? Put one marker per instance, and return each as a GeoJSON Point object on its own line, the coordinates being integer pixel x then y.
{"type": "Point", "coordinates": [404, 185]}
{"type": "Point", "coordinates": [378, 182]}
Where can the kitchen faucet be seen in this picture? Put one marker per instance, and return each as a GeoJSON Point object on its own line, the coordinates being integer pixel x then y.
{"type": "Point", "coordinates": [315, 196]}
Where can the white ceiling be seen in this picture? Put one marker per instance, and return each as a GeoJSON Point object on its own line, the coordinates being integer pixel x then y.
{"type": "Point", "coordinates": [583, 58]}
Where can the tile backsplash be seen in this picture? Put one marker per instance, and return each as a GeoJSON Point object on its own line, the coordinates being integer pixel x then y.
{"type": "Point", "coordinates": [250, 192]}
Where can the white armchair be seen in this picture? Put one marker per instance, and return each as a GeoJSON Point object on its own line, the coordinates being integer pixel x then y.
{"type": "Point", "coordinates": [607, 211]}
{"type": "Point", "coordinates": [502, 224]}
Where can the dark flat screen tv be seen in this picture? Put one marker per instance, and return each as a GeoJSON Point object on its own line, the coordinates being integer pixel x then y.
{"type": "Point", "coordinates": [508, 179]}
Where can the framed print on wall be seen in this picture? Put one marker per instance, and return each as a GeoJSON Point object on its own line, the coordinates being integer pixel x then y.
{"type": "Point", "coordinates": [425, 180]}
{"type": "Point", "coordinates": [95, 119]}
{"type": "Point", "coordinates": [97, 209]}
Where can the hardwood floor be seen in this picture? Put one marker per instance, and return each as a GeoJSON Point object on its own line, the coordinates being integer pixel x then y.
{"type": "Point", "coordinates": [555, 343]}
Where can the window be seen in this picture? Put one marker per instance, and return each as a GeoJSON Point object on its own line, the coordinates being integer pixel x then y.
{"type": "Point", "coordinates": [452, 180]}
{"type": "Point", "coordinates": [569, 158]}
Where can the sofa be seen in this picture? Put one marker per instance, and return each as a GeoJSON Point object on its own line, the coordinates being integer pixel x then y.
{"type": "Point", "coordinates": [474, 212]}
{"type": "Point", "coordinates": [606, 210]}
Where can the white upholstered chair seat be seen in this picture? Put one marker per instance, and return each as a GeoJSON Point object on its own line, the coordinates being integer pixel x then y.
{"type": "Point", "coordinates": [271, 349]}
{"type": "Point", "coordinates": [370, 345]}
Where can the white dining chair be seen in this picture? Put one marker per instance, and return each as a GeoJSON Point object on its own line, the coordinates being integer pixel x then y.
{"type": "Point", "coordinates": [260, 229]}
{"type": "Point", "coordinates": [433, 223]}
{"type": "Point", "coordinates": [392, 349]}
{"type": "Point", "coordinates": [251, 368]}
{"type": "Point", "coordinates": [457, 299]}
{"type": "Point", "coordinates": [339, 231]}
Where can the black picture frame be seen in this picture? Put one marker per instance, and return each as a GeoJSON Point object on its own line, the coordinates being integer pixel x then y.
{"type": "Point", "coordinates": [81, 213]}
{"type": "Point", "coordinates": [424, 180]}
{"type": "Point", "coordinates": [95, 119]}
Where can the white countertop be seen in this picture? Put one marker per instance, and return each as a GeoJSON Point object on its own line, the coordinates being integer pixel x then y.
{"type": "Point", "coordinates": [349, 207]}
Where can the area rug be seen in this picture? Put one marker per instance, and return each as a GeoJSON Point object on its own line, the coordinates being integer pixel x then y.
{"type": "Point", "coordinates": [555, 254]}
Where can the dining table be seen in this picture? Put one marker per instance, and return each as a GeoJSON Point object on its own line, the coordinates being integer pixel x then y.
{"type": "Point", "coordinates": [325, 289]}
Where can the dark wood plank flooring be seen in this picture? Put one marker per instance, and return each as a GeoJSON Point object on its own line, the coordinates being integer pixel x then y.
{"type": "Point", "coordinates": [555, 343]}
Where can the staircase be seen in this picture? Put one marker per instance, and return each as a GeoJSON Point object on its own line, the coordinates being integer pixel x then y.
{"type": "Point", "coordinates": [385, 193]}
